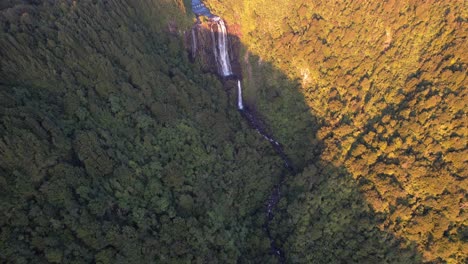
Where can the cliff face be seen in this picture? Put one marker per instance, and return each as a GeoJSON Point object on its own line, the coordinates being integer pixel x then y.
{"type": "Point", "coordinates": [389, 81]}
{"type": "Point", "coordinates": [201, 41]}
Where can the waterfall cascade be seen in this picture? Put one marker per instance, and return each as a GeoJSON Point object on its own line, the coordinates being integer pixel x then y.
{"type": "Point", "coordinates": [220, 48]}
{"type": "Point", "coordinates": [220, 41]}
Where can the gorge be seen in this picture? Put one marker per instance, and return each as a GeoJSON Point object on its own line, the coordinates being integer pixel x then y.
{"type": "Point", "coordinates": [288, 132]}
{"type": "Point", "coordinates": [221, 57]}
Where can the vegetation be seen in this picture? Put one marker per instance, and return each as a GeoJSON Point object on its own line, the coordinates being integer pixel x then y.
{"type": "Point", "coordinates": [114, 148]}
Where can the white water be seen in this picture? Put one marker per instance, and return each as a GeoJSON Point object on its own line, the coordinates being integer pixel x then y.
{"type": "Point", "coordinates": [220, 49]}
{"type": "Point", "coordinates": [268, 138]}
{"type": "Point", "coordinates": [240, 104]}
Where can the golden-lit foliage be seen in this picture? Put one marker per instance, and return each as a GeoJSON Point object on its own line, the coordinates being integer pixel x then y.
{"type": "Point", "coordinates": [390, 80]}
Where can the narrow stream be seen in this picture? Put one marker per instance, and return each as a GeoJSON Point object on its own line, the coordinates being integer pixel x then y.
{"type": "Point", "coordinates": [275, 193]}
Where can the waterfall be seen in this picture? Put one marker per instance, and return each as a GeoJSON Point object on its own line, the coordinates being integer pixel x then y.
{"type": "Point", "coordinates": [240, 104]}
{"type": "Point", "coordinates": [220, 49]}
{"type": "Point", "coordinates": [194, 42]}
{"type": "Point", "coordinates": [223, 46]}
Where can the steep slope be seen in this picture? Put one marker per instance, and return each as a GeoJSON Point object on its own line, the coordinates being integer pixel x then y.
{"type": "Point", "coordinates": [389, 81]}
{"type": "Point", "coordinates": [115, 149]}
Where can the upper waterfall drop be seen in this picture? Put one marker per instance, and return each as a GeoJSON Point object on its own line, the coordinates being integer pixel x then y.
{"type": "Point", "coordinates": [220, 48]}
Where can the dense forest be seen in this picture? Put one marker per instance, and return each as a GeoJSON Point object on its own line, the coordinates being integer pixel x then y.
{"type": "Point", "coordinates": [115, 148]}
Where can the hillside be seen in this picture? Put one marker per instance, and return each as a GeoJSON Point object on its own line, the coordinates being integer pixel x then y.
{"type": "Point", "coordinates": [114, 148]}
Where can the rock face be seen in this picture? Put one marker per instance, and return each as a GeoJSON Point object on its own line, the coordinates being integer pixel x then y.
{"type": "Point", "coordinates": [389, 79]}
{"type": "Point", "coordinates": [202, 41]}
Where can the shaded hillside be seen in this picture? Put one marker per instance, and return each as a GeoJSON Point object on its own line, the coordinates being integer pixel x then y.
{"type": "Point", "coordinates": [389, 81]}
{"type": "Point", "coordinates": [115, 149]}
